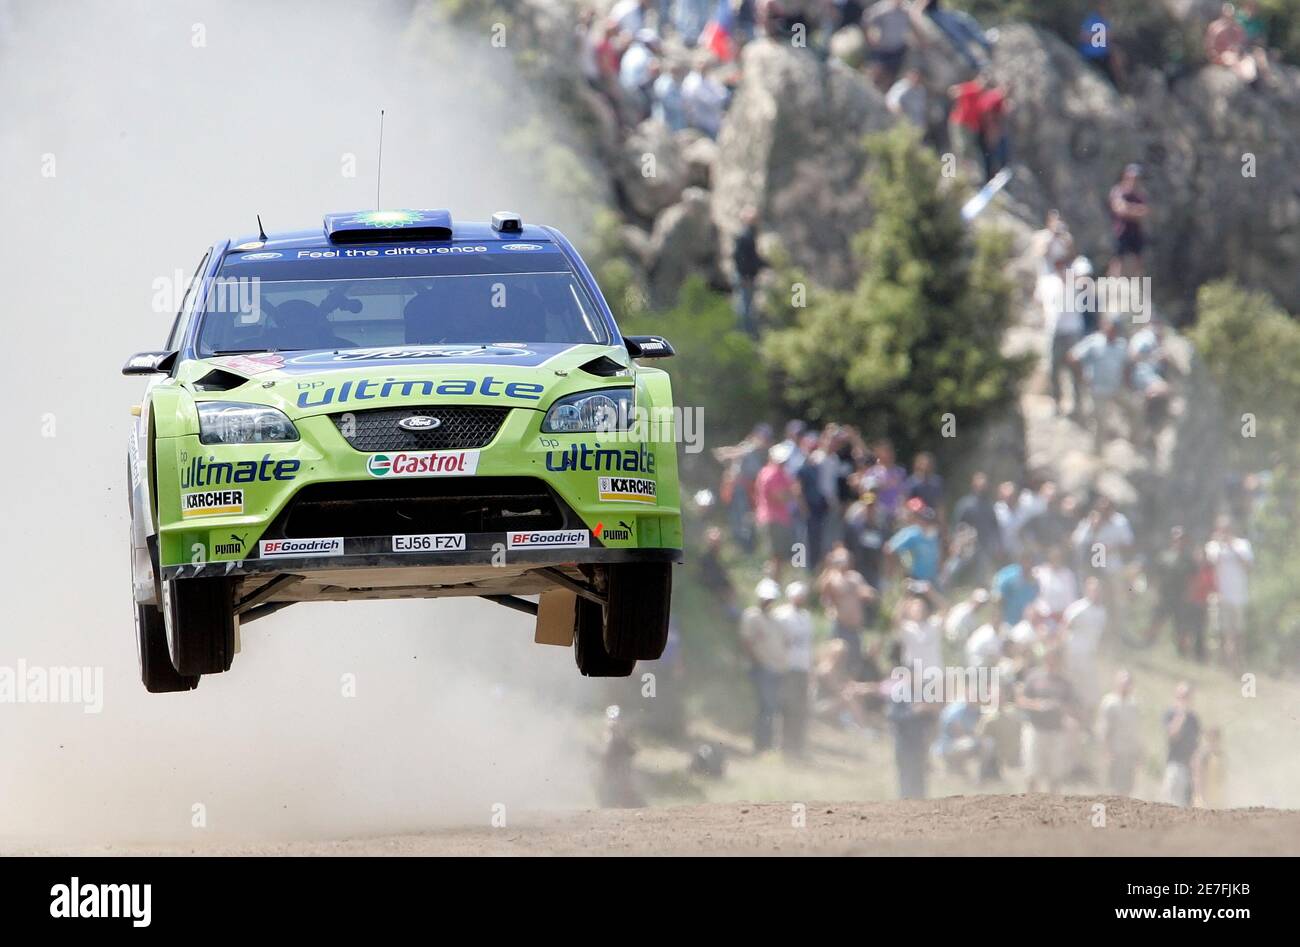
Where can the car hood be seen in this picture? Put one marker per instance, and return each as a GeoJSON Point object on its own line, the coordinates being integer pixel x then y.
{"type": "Point", "coordinates": [323, 382]}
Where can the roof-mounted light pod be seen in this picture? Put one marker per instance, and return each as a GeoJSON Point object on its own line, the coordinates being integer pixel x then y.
{"type": "Point", "coordinates": [503, 221]}
{"type": "Point", "coordinates": [375, 226]}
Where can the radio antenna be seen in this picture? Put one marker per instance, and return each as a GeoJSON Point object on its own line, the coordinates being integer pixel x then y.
{"type": "Point", "coordinates": [261, 231]}
{"type": "Point", "coordinates": [379, 166]}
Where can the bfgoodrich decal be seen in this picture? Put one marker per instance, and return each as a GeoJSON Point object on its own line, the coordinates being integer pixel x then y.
{"type": "Point", "coordinates": [425, 463]}
{"type": "Point", "coordinates": [549, 539]}
{"type": "Point", "coordinates": [430, 542]}
{"type": "Point", "coordinates": [626, 489]}
{"type": "Point", "coordinates": [298, 548]}
{"type": "Point", "coordinates": [212, 503]}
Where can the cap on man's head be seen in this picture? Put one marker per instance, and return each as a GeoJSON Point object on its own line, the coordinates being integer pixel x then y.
{"type": "Point", "coordinates": [767, 590]}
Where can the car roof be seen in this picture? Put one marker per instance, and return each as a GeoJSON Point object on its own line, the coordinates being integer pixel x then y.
{"type": "Point", "coordinates": [477, 231]}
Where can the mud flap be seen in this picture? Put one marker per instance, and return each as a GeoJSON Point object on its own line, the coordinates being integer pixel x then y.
{"type": "Point", "coordinates": [556, 615]}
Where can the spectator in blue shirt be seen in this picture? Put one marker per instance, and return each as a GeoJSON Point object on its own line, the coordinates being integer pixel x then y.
{"type": "Point", "coordinates": [917, 544]}
{"type": "Point", "coordinates": [1015, 588]}
{"type": "Point", "coordinates": [669, 104]}
{"type": "Point", "coordinates": [1097, 44]}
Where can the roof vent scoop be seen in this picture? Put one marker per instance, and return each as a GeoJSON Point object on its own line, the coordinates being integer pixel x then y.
{"type": "Point", "coordinates": [504, 221]}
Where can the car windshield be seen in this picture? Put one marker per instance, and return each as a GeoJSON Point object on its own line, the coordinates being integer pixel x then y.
{"type": "Point", "coordinates": [283, 305]}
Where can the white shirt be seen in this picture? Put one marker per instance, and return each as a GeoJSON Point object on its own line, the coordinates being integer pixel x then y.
{"type": "Point", "coordinates": [1115, 534]}
{"type": "Point", "coordinates": [628, 15]}
{"type": "Point", "coordinates": [1085, 622]}
{"type": "Point", "coordinates": [983, 647]}
{"type": "Point", "coordinates": [1117, 725]}
{"type": "Point", "coordinates": [798, 626]}
{"type": "Point", "coordinates": [1058, 318]}
{"type": "Point", "coordinates": [921, 642]}
{"type": "Point", "coordinates": [961, 621]}
{"type": "Point", "coordinates": [705, 100]}
{"type": "Point", "coordinates": [634, 67]}
{"type": "Point", "coordinates": [1231, 561]}
{"type": "Point", "coordinates": [1012, 519]}
{"type": "Point", "coordinates": [765, 637]}
{"type": "Point", "coordinates": [1057, 587]}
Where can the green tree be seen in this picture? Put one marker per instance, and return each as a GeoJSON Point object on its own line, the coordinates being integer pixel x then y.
{"type": "Point", "coordinates": [1250, 349]}
{"type": "Point", "coordinates": [919, 338]}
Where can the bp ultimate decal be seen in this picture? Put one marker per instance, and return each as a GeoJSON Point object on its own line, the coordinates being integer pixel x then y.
{"type": "Point", "coordinates": [603, 459]}
{"type": "Point", "coordinates": [626, 490]}
{"type": "Point", "coordinates": [212, 502]}
{"type": "Point", "coordinates": [368, 389]}
{"type": "Point", "coordinates": [210, 472]}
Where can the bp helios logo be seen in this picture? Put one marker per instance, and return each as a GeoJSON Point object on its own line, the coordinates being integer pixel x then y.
{"type": "Point", "coordinates": [428, 463]}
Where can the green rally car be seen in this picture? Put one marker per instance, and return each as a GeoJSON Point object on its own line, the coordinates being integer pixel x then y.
{"type": "Point", "coordinates": [393, 406]}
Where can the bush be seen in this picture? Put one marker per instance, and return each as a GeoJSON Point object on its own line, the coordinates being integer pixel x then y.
{"type": "Point", "coordinates": [1251, 350]}
{"type": "Point", "coordinates": [919, 338]}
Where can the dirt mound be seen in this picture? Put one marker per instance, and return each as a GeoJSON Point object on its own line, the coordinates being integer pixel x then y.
{"type": "Point", "coordinates": [958, 825]}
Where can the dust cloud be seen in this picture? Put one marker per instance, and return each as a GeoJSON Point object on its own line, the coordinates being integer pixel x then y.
{"type": "Point", "coordinates": [133, 135]}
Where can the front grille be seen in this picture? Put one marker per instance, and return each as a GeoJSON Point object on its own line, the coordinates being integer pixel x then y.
{"type": "Point", "coordinates": [461, 428]}
{"type": "Point", "coordinates": [429, 505]}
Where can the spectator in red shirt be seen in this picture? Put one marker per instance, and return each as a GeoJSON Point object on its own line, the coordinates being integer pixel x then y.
{"type": "Point", "coordinates": [776, 492]}
{"type": "Point", "coordinates": [993, 106]}
{"type": "Point", "coordinates": [964, 121]}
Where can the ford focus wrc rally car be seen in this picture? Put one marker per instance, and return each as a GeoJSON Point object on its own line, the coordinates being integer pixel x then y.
{"type": "Point", "coordinates": [393, 406]}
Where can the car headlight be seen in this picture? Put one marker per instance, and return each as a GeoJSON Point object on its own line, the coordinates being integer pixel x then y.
{"type": "Point", "coordinates": [226, 422]}
{"type": "Point", "coordinates": [590, 412]}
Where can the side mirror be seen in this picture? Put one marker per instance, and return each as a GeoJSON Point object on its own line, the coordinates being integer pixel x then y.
{"type": "Point", "coordinates": [149, 363]}
{"type": "Point", "coordinates": [648, 346]}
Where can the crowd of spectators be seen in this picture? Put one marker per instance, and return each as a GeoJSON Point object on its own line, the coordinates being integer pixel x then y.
{"type": "Point", "coordinates": [1019, 578]}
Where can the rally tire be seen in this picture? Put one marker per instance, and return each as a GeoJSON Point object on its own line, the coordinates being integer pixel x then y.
{"type": "Point", "coordinates": [156, 670]}
{"type": "Point", "coordinates": [636, 616]}
{"type": "Point", "coordinates": [200, 621]}
{"type": "Point", "coordinates": [589, 648]}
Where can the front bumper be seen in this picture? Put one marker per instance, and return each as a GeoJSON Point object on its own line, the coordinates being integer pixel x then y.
{"type": "Point", "coordinates": [368, 553]}
{"type": "Point", "coordinates": [620, 526]}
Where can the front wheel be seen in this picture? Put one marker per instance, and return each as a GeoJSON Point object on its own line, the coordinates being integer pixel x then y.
{"type": "Point", "coordinates": [199, 615]}
{"type": "Point", "coordinates": [156, 669]}
{"type": "Point", "coordinates": [589, 648]}
{"type": "Point", "coordinates": [636, 616]}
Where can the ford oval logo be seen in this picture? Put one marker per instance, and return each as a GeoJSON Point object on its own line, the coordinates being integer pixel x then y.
{"type": "Point", "coordinates": [419, 422]}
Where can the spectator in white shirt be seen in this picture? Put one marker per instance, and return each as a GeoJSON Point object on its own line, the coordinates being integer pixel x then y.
{"type": "Point", "coordinates": [1064, 325]}
{"type": "Point", "coordinates": [1118, 733]}
{"type": "Point", "coordinates": [705, 98]}
{"type": "Point", "coordinates": [1057, 586]}
{"type": "Point", "coordinates": [1103, 541]}
{"type": "Point", "coordinates": [1014, 507]}
{"type": "Point", "coordinates": [797, 622]}
{"type": "Point", "coordinates": [1083, 624]}
{"type": "Point", "coordinates": [1232, 557]}
{"type": "Point", "coordinates": [630, 15]}
{"type": "Point", "coordinates": [919, 633]}
{"type": "Point", "coordinates": [763, 639]}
